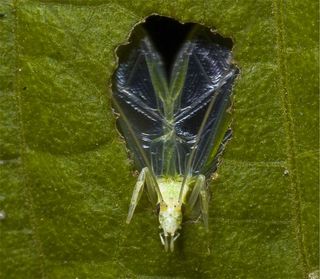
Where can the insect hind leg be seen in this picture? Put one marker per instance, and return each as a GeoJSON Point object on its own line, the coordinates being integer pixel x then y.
{"type": "Point", "coordinates": [204, 204]}
{"type": "Point", "coordinates": [200, 183]}
{"type": "Point", "coordinates": [200, 192]}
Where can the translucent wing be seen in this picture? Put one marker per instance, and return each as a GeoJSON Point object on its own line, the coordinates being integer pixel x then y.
{"type": "Point", "coordinates": [138, 84]}
{"type": "Point", "coordinates": [201, 112]}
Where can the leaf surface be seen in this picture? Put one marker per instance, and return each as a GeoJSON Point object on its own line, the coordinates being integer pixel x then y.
{"type": "Point", "coordinates": [65, 178]}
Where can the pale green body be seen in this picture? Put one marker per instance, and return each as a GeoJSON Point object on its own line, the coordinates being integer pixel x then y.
{"type": "Point", "coordinates": [170, 189]}
{"type": "Point", "coordinates": [166, 193]}
{"type": "Point", "coordinates": [170, 214]}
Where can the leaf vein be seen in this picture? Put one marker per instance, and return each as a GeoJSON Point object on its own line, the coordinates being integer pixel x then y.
{"type": "Point", "coordinates": [290, 132]}
{"type": "Point", "coordinates": [23, 148]}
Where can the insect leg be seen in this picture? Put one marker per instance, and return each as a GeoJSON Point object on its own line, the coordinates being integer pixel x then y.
{"type": "Point", "coordinates": [200, 183]}
{"type": "Point", "coordinates": [136, 195]}
{"type": "Point", "coordinates": [204, 204]}
{"type": "Point", "coordinates": [151, 187]}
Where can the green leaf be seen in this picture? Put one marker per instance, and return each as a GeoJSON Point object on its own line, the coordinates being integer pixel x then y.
{"type": "Point", "coordinates": [66, 181]}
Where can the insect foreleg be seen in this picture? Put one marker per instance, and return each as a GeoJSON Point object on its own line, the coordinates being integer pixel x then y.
{"type": "Point", "coordinates": [200, 183]}
{"type": "Point", "coordinates": [137, 192]}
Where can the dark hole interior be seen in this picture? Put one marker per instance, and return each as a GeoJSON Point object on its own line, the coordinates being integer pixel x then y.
{"type": "Point", "coordinates": [168, 35]}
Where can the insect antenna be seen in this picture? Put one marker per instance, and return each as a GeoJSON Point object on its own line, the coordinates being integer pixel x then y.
{"type": "Point", "coordinates": [203, 123]}
{"type": "Point", "coordinates": [145, 159]}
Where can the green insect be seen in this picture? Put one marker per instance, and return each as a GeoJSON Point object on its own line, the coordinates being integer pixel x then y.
{"type": "Point", "coordinates": [175, 125]}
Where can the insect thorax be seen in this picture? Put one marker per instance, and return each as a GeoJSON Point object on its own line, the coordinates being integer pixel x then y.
{"type": "Point", "coordinates": [170, 190]}
{"type": "Point", "coordinates": [170, 214]}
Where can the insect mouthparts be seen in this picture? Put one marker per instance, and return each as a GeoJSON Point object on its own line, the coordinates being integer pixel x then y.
{"type": "Point", "coordinates": [168, 243]}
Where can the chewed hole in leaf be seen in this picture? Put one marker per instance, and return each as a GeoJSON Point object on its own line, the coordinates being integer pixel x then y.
{"type": "Point", "coordinates": [168, 35]}
{"type": "Point", "coordinates": [172, 91]}
{"type": "Point", "coordinates": [164, 84]}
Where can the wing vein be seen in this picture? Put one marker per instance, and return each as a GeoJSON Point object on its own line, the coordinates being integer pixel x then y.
{"type": "Point", "coordinates": [203, 123]}
{"type": "Point", "coordinates": [140, 149]}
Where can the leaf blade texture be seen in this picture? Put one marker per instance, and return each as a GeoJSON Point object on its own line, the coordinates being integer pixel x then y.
{"type": "Point", "coordinates": [61, 156]}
